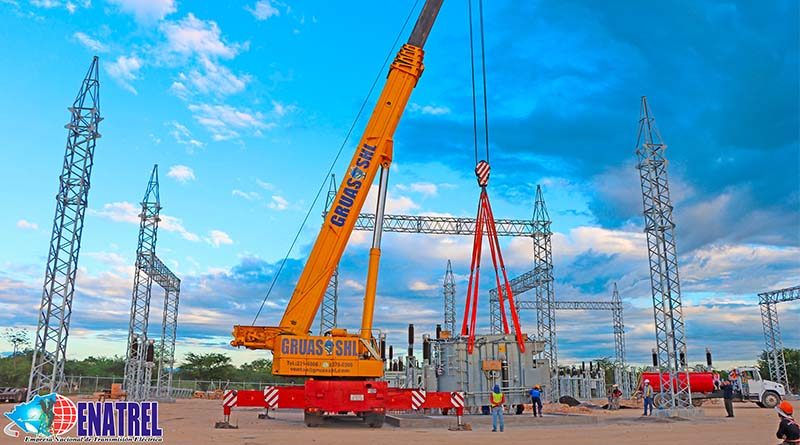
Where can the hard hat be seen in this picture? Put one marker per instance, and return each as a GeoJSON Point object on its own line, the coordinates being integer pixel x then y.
{"type": "Point", "coordinates": [536, 387]}
{"type": "Point", "coordinates": [785, 409]}
{"type": "Point", "coordinates": [615, 385]}
{"type": "Point", "coordinates": [647, 380]}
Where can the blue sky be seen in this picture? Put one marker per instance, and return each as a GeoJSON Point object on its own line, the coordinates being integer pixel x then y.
{"type": "Point", "coordinates": [244, 104]}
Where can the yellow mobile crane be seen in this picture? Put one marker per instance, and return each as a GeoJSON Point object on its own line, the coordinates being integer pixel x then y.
{"type": "Point", "coordinates": [343, 367]}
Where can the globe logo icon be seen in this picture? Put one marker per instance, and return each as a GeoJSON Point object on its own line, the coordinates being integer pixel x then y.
{"type": "Point", "coordinates": [65, 415]}
{"type": "Point", "coordinates": [49, 415]}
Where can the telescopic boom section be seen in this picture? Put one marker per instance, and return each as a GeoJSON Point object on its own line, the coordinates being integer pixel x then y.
{"type": "Point", "coordinates": [373, 152]}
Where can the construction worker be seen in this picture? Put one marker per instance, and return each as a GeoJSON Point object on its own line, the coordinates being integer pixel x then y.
{"type": "Point", "coordinates": [536, 400]}
{"type": "Point", "coordinates": [497, 400]}
{"type": "Point", "coordinates": [615, 395]}
{"type": "Point", "coordinates": [647, 393]}
{"type": "Point", "coordinates": [788, 430]}
{"type": "Point", "coordinates": [727, 396]}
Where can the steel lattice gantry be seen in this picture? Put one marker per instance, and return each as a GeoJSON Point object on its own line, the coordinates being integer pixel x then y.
{"type": "Point", "coordinates": [449, 294]}
{"type": "Point", "coordinates": [619, 343]}
{"type": "Point", "coordinates": [443, 225]}
{"type": "Point", "coordinates": [772, 331]}
{"type": "Point", "coordinates": [55, 310]}
{"type": "Point", "coordinates": [664, 279]}
{"type": "Point", "coordinates": [140, 352]}
{"type": "Point", "coordinates": [520, 286]}
{"type": "Point", "coordinates": [544, 292]}
{"type": "Point", "coordinates": [330, 303]}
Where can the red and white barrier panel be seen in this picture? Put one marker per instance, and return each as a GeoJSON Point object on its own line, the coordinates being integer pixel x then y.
{"type": "Point", "coordinates": [397, 399]}
{"type": "Point", "coordinates": [271, 395]}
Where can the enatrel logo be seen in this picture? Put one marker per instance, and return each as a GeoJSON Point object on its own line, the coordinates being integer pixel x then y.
{"type": "Point", "coordinates": [49, 418]}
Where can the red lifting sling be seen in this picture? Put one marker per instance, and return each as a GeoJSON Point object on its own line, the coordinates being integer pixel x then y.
{"type": "Point", "coordinates": [485, 221]}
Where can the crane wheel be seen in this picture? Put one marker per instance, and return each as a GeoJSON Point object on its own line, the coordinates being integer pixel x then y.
{"type": "Point", "coordinates": [313, 420]}
{"type": "Point", "coordinates": [374, 420]}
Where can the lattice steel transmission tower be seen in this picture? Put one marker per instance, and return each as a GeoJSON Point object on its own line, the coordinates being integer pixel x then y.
{"type": "Point", "coordinates": [449, 294]}
{"type": "Point", "coordinates": [619, 343]}
{"type": "Point", "coordinates": [545, 294]}
{"type": "Point", "coordinates": [55, 310]}
{"type": "Point", "coordinates": [772, 331]}
{"type": "Point", "coordinates": [140, 352]}
{"type": "Point", "coordinates": [330, 303]}
{"type": "Point", "coordinates": [664, 280]}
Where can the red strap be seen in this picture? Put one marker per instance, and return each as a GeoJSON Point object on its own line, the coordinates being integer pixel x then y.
{"type": "Point", "coordinates": [512, 307]}
{"type": "Point", "coordinates": [485, 221]}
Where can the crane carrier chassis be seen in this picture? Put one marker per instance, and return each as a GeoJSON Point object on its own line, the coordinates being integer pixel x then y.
{"type": "Point", "coordinates": [369, 400]}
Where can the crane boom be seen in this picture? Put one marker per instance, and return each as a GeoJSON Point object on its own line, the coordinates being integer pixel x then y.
{"type": "Point", "coordinates": [295, 352]}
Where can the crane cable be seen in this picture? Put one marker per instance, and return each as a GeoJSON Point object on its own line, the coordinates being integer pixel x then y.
{"type": "Point", "coordinates": [483, 78]}
{"type": "Point", "coordinates": [338, 154]}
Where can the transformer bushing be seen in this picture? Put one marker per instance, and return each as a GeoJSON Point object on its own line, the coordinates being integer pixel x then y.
{"type": "Point", "coordinates": [55, 310]}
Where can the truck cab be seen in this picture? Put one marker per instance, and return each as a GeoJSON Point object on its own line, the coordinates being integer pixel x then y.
{"type": "Point", "coordinates": [765, 393]}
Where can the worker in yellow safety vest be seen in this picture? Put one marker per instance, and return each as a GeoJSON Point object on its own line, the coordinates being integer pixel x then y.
{"type": "Point", "coordinates": [497, 400]}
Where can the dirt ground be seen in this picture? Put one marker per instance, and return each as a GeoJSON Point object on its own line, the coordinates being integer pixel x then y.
{"type": "Point", "coordinates": [192, 422]}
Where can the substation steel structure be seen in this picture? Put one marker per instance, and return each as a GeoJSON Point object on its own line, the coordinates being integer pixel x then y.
{"type": "Point", "coordinates": [449, 294]}
{"type": "Point", "coordinates": [663, 259]}
{"type": "Point", "coordinates": [768, 302]}
{"type": "Point", "coordinates": [55, 310]}
{"type": "Point", "coordinates": [330, 302]}
{"type": "Point", "coordinates": [430, 225]}
{"type": "Point", "coordinates": [538, 228]}
{"type": "Point", "coordinates": [141, 352]}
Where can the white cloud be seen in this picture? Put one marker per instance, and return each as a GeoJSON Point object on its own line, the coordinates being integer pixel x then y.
{"type": "Point", "coordinates": [124, 211]}
{"type": "Point", "coordinates": [263, 10]}
{"type": "Point", "coordinates": [423, 188]}
{"type": "Point", "coordinates": [125, 70]}
{"type": "Point", "coordinates": [27, 225]}
{"type": "Point", "coordinates": [250, 196]}
{"type": "Point", "coordinates": [179, 89]}
{"type": "Point", "coordinates": [181, 173]}
{"type": "Point", "coordinates": [422, 286]}
{"type": "Point", "coordinates": [172, 224]}
{"type": "Point", "coordinates": [223, 121]}
{"type": "Point", "coordinates": [432, 110]}
{"type": "Point", "coordinates": [266, 185]}
{"type": "Point", "coordinates": [70, 6]}
{"type": "Point", "coordinates": [278, 203]}
{"type": "Point", "coordinates": [280, 110]}
{"type": "Point", "coordinates": [353, 284]}
{"type": "Point", "coordinates": [146, 11]}
{"type": "Point", "coordinates": [47, 4]}
{"type": "Point", "coordinates": [395, 204]}
{"type": "Point", "coordinates": [217, 238]}
{"type": "Point", "coordinates": [183, 136]}
{"type": "Point", "coordinates": [214, 78]}
{"type": "Point", "coordinates": [192, 36]}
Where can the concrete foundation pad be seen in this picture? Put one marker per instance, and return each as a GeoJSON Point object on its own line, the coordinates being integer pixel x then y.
{"type": "Point", "coordinates": [679, 412]}
{"type": "Point", "coordinates": [481, 421]}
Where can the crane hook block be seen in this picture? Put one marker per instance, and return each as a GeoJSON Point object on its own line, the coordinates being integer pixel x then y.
{"type": "Point", "coordinates": [482, 173]}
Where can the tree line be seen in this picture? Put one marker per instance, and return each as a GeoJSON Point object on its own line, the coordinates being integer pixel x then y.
{"type": "Point", "coordinates": [15, 367]}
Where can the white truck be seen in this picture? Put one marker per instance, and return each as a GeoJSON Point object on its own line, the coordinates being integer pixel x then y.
{"type": "Point", "coordinates": [748, 387]}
